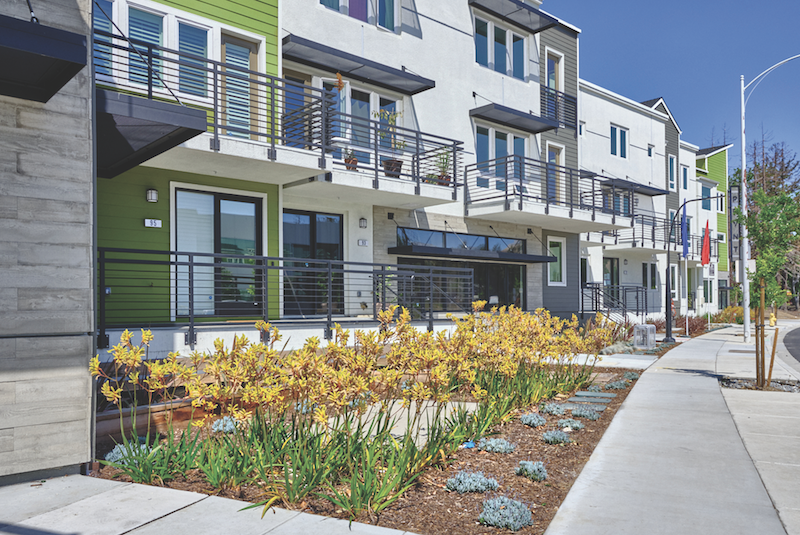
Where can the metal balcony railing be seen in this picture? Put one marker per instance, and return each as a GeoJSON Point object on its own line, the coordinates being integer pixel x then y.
{"type": "Point", "coordinates": [559, 107]}
{"type": "Point", "coordinates": [515, 179]}
{"type": "Point", "coordinates": [389, 151]}
{"type": "Point", "coordinates": [183, 288]}
{"type": "Point", "coordinates": [611, 300]}
{"type": "Point", "coordinates": [653, 232]}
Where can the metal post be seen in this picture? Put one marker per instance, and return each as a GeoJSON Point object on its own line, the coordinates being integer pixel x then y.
{"type": "Point", "coordinates": [329, 325]}
{"type": "Point", "coordinates": [190, 335]}
{"type": "Point", "coordinates": [150, 72]}
{"type": "Point", "coordinates": [454, 156]}
{"type": "Point", "coordinates": [102, 337]}
{"type": "Point", "coordinates": [326, 128]}
{"type": "Point", "coordinates": [216, 109]}
{"type": "Point", "coordinates": [265, 290]}
{"type": "Point", "coordinates": [415, 164]}
{"type": "Point", "coordinates": [375, 144]}
{"type": "Point", "coordinates": [521, 175]}
{"type": "Point", "coordinates": [273, 133]}
{"type": "Point", "coordinates": [571, 192]}
{"type": "Point", "coordinates": [430, 299]}
{"type": "Point", "coordinates": [743, 245]}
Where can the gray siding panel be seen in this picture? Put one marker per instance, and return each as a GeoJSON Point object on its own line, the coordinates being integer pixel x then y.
{"type": "Point", "coordinates": [564, 300]}
{"type": "Point", "coordinates": [673, 148]}
{"type": "Point", "coordinates": [565, 42]}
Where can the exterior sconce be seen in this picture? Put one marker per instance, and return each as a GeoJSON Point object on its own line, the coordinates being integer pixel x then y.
{"type": "Point", "coordinates": [625, 262]}
{"type": "Point", "coordinates": [362, 223]}
{"type": "Point", "coordinates": [152, 195]}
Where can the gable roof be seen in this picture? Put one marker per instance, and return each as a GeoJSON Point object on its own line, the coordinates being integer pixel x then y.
{"type": "Point", "coordinates": [710, 151]}
{"type": "Point", "coordinates": [655, 103]}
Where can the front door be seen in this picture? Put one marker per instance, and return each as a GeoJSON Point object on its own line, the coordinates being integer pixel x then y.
{"type": "Point", "coordinates": [611, 276]}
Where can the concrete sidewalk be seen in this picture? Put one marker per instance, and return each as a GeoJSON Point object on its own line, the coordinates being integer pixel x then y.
{"type": "Point", "coordinates": [672, 460]}
{"type": "Point", "coordinates": [88, 506]}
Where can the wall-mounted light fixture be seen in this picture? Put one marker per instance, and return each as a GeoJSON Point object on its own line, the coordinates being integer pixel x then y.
{"type": "Point", "coordinates": [362, 223]}
{"type": "Point", "coordinates": [152, 195]}
{"type": "Point", "coordinates": [625, 261]}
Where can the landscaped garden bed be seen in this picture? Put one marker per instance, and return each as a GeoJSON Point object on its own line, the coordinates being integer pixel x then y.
{"type": "Point", "coordinates": [329, 430]}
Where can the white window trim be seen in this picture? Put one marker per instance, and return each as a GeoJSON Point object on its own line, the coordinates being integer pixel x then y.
{"type": "Point", "coordinates": [552, 51]}
{"type": "Point", "coordinates": [684, 172]}
{"type": "Point", "coordinates": [493, 131]}
{"type": "Point", "coordinates": [563, 242]}
{"type": "Point", "coordinates": [491, 23]}
{"type": "Point", "coordinates": [672, 186]}
{"type": "Point", "coordinates": [619, 141]}
{"type": "Point", "coordinates": [372, 14]}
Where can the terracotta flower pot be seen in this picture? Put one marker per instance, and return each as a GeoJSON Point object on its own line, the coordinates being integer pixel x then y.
{"type": "Point", "coordinates": [392, 167]}
{"type": "Point", "coordinates": [351, 163]}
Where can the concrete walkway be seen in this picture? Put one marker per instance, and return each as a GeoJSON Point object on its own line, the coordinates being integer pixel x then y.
{"type": "Point", "coordinates": [87, 506]}
{"type": "Point", "coordinates": [673, 462]}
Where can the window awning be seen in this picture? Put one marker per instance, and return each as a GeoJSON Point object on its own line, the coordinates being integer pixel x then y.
{"type": "Point", "coordinates": [351, 66]}
{"type": "Point", "coordinates": [36, 61]}
{"type": "Point", "coordinates": [527, 122]}
{"type": "Point", "coordinates": [469, 254]}
{"type": "Point", "coordinates": [517, 13]}
{"type": "Point", "coordinates": [131, 130]}
{"type": "Point", "coordinates": [650, 191]}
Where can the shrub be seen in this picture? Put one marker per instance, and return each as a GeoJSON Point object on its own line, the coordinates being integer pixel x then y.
{"type": "Point", "coordinates": [226, 425]}
{"type": "Point", "coordinates": [496, 445]}
{"type": "Point", "coordinates": [122, 455]}
{"type": "Point", "coordinates": [535, 471]}
{"type": "Point", "coordinates": [697, 324]}
{"type": "Point", "coordinates": [630, 376]}
{"type": "Point", "coordinates": [585, 412]}
{"type": "Point", "coordinates": [617, 385]}
{"type": "Point", "coordinates": [555, 437]}
{"type": "Point", "coordinates": [660, 323]}
{"type": "Point", "coordinates": [533, 419]}
{"type": "Point", "coordinates": [729, 315]}
{"type": "Point", "coordinates": [471, 482]}
{"type": "Point", "coordinates": [553, 408]}
{"type": "Point", "coordinates": [502, 512]}
{"type": "Point", "coordinates": [575, 425]}
{"type": "Point", "coordinates": [595, 388]}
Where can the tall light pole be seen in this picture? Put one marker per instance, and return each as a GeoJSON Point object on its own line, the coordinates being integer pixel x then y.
{"type": "Point", "coordinates": [744, 249]}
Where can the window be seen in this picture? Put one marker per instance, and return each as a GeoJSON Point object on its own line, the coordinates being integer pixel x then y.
{"type": "Point", "coordinates": [685, 176]}
{"type": "Point", "coordinates": [380, 12]}
{"type": "Point", "coordinates": [149, 28]}
{"type": "Point", "coordinates": [706, 200]}
{"type": "Point", "coordinates": [721, 203]}
{"type": "Point", "coordinates": [194, 42]}
{"type": "Point", "coordinates": [650, 275]}
{"type": "Point", "coordinates": [708, 291]}
{"type": "Point", "coordinates": [580, 128]}
{"type": "Point", "coordinates": [721, 237]}
{"type": "Point", "coordinates": [673, 226]}
{"type": "Point", "coordinates": [505, 48]}
{"type": "Point", "coordinates": [452, 240]}
{"type": "Point", "coordinates": [102, 53]}
{"type": "Point", "coordinates": [557, 271]}
{"type": "Point", "coordinates": [671, 173]}
{"type": "Point", "coordinates": [650, 151]}
{"type": "Point", "coordinates": [494, 144]}
{"type": "Point", "coordinates": [553, 71]}
{"type": "Point", "coordinates": [619, 141]}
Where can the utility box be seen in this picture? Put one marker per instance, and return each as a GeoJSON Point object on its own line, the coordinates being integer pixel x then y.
{"type": "Point", "coordinates": [644, 336]}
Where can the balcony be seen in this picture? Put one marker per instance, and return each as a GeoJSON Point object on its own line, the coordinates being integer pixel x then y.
{"type": "Point", "coordinates": [189, 291]}
{"type": "Point", "coordinates": [559, 107]}
{"type": "Point", "coordinates": [247, 117]}
{"type": "Point", "coordinates": [380, 163]}
{"type": "Point", "coordinates": [527, 191]}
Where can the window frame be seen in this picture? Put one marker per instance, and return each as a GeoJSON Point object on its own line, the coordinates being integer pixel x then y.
{"type": "Point", "coordinates": [619, 137]}
{"type": "Point", "coordinates": [492, 135]}
{"type": "Point", "coordinates": [563, 242]}
{"type": "Point", "coordinates": [491, 26]}
{"type": "Point", "coordinates": [548, 51]}
{"type": "Point", "coordinates": [650, 275]}
{"type": "Point", "coordinates": [372, 14]}
{"type": "Point", "coordinates": [705, 194]}
{"type": "Point", "coordinates": [685, 177]}
{"type": "Point", "coordinates": [672, 172]}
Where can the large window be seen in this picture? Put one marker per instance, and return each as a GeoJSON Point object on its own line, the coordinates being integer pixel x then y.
{"type": "Point", "coordinates": [492, 143]}
{"type": "Point", "coordinates": [671, 171]}
{"type": "Point", "coordinates": [619, 141]}
{"type": "Point", "coordinates": [452, 240]}
{"type": "Point", "coordinates": [650, 275]}
{"type": "Point", "coordinates": [685, 177]}
{"type": "Point", "coordinates": [706, 198]}
{"type": "Point", "coordinates": [380, 12]}
{"type": "Point", "coordinates": [557, 271]}
{"type": "Point", "coordinates": [499, 48]}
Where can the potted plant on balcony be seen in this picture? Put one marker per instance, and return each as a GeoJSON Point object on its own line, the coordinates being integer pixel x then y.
{"type": "Point", "coordinates": [393, 166]}
{"type": "Point", "coordinates": [350, 160]}
{"type": "Point", "coordinates": [443, 165]}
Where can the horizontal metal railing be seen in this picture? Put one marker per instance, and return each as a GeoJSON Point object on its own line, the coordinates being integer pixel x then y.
{"type": "Point", "coordinates": [620, 299]}
{"type": "Point", "coordinates": [559, 107]}
{"type": "Point", "coordinates": [653, 232]}
{"type": "Point", "coordinates": [516, 179]}
{"type": "Point", "coordinates": [183, 288]}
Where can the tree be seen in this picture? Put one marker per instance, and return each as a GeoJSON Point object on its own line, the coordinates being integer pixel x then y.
{"type": "Point", "coordinates": [773, 169]}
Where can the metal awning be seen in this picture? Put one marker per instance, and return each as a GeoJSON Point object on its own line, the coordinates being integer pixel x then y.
{"type": "Point", "coordinates": [527, 122]}
{"type": "Point", "coordinates": [131, 130]}
{"type": "Point", "coordinates": [644, 189]}
{"type": "Point", "coordinates": [517, 13]}
{"type": "Point", "coordinates": [351, 66]}
{"type": "Point", "coordinates": [469, 254]}
{"type": "Point", "coordinates": [36, 61]}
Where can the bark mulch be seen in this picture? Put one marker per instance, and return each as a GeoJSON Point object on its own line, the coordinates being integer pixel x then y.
{"type": "Point", "coordinates": [428, 509]}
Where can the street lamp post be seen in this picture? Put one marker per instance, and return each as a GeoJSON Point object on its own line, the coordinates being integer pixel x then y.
{"type": "Point", "coordinates": [669, 337]}
{"type": "Point", "coordinates": [744, 250]}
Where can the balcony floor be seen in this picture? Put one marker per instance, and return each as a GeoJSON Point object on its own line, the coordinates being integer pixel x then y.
{"type": "Point", "coordinates": [558, 218]}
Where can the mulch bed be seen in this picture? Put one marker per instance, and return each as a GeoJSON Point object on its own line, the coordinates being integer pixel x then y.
{"type": "Point", "coordinates": [429, 509]}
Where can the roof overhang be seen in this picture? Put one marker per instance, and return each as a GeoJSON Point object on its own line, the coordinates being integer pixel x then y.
{"type": "Point", "coordinates": [517, 13]}
{"type": "Point", "coordinates": [131, 130]}
{"type": "Point", "coordinates": [527, 122]}
{"type": "Point", "coordinates": [469, 254]}
{"type": "Point", "coordinates": [643, 189]}
{"type": "Point", "coordinates": [37, 61]}
{"type": "Point", "coordinates": [329, 59]}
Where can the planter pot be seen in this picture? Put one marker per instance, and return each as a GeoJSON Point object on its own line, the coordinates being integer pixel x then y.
{"type": "Point", "coordinates": [351, 164]}
{"type": "Point", "coordinates": [392, 168]}
{"type": "Point", "coordinates": [444, 179]}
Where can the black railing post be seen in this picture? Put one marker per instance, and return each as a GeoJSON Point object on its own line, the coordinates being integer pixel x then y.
{"type": "Point", "coordinates": [102, 337]}
{"type": "Point", "coordinates": [150, 72]}
{"type": "Point", "coordinates": [571, 191]}
{"type": "Point", "coordinates": [430, 299]}
{"type": "Point", "coordinates": [375, 284]}
{"type": "Point", "coordinates": [416, 167]}
{"type": "Point", "coordinates": [454, 155]}
{"type": "Point", "coordinates": [265, 290]}
{"type": "Point", "coordinates": [190, 337]}
{"type": "Point", "coordinates": [521, 175]}
{"type": "Point", "coordinates": [375, 143]}
{"type": "Point", "coordinates": [326, 128]}
{"type": "Point", "coordinates": [215, 113]}
{"type": "Point", "coordinates": [383, 287]}
{"type": "Point", "coordinates": [547, 187]}
{"type": "Point", "coordinates": [274, 111]}
{"type": "Point", "coordinates": [594, 198]}
{"type": "Point", "coordinates": [329, 325]}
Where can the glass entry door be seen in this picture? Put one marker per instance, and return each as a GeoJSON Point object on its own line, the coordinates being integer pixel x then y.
{"type": "Point", "coordinates": [214, 225]}
{"type": "Point", "coordinates": [611, 276]}
{"type": "Point", "coordinates": [316, 237]}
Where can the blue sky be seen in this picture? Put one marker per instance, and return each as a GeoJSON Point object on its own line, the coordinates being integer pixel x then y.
{"type": "Point", "coordinates": [692, 53]}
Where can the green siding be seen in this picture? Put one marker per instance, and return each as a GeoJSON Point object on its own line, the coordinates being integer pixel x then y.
{"type": "Point", "coordinates": [716, 166]}
{"type": "Point", "coordinates": [143, 297]}
{"type": "Point", "coordinates": [257, 16]}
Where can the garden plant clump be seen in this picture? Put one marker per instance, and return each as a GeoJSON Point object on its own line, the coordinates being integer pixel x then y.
{"type": "Point", "coordinates": [226, 425]}
{"type": "Point", "coordinates": [317, 423]}
{"type": "Point", "coordinates": [585, 412]}
{"type": "Point", "coordinates": [553, 408]}
{"type": "Point", "coordinates": [471, 482]}
{"type": "Point", "coordinates": [617, 385]}
{"type": "Point", "coordinates": [533, 419]}
{"type": "Point", "coordinates": [532, 470]}
{"type": "Point", "coordinates": [595, 388]}
{"type": "Point", "coordinates": [496, 445]}
{"type": "Point", "coordinates": [555, 437]}
{"type": "Point", "coordinates": [575, 425]}
{"type": "Point", "coordinates": [630, 376]}
{"type": "Point", "coordinates": [502, 512]}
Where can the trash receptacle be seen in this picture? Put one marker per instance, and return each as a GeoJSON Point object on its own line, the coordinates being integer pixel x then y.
{"type": "Point", "coordinates": [644, 336]}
